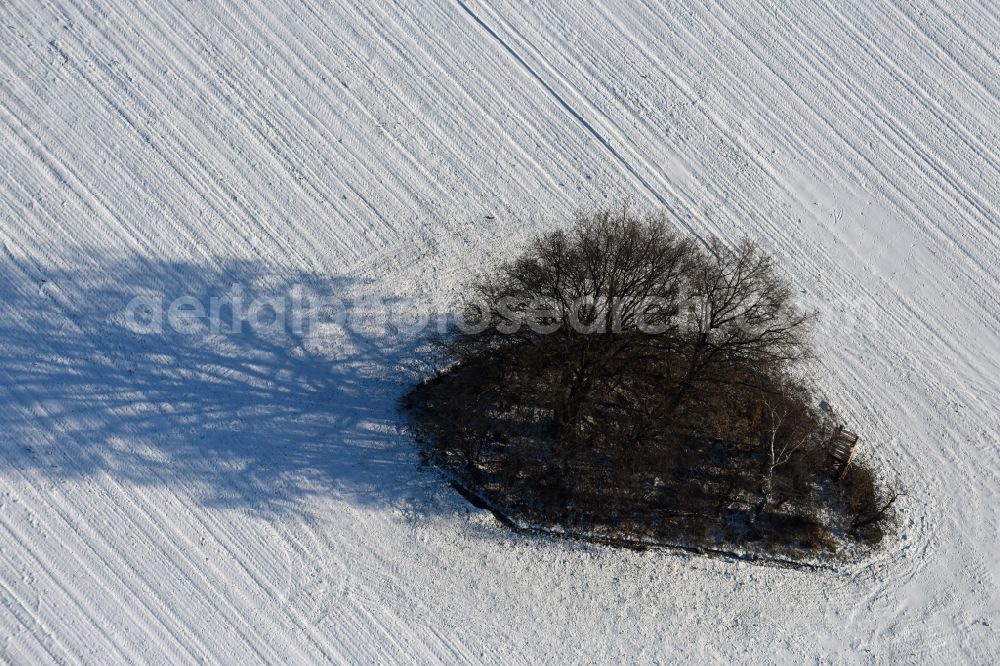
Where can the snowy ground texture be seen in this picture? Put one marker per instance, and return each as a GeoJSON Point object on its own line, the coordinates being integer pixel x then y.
{"type": "Point", "coordinates": [242, 498]}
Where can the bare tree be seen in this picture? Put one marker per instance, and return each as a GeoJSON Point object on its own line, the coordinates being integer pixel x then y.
{"type": "Point", "coordinates": [787, 429]}
{"type": "Point", "coordinates": [739, 312]}
{"type": "Point", "coordinates": [585, 299]}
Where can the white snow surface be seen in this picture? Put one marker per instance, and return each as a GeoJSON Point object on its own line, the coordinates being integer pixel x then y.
{"type": "Point", "coordinates": [255, 497]}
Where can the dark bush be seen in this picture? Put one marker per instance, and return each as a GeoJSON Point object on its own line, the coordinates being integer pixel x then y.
{"type": "Point", "coordinates": [869, 508]}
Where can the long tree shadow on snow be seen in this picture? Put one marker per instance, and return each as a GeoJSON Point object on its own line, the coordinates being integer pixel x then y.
{"type": "Point", "coordinates": [254, 420]}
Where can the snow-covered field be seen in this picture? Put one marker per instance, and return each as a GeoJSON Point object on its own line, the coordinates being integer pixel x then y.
{"type": "Point", "coordinates": [174, 498]}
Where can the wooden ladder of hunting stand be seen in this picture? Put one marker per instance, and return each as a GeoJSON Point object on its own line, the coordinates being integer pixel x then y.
{"type": "Point", "coordinates": [843, 445]}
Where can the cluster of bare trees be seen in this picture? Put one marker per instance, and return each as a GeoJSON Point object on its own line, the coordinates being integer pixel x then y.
{"type": "Point", "coordinates": [620, 303]}
{"type": "Point", "coordinates": [620, 359]}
